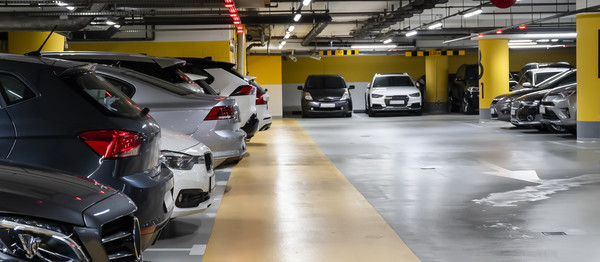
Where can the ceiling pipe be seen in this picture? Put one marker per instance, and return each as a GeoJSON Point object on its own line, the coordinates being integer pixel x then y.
{"type": "Point", "coordinates": [314, 32]}
{"type": "Point", "coordinates": [10, 22]}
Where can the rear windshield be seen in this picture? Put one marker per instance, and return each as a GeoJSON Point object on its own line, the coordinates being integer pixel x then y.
{"type": "Point", "coordinates": [325, 82]}
{"type": "Point", "coordinates": [181, 90]}
{"type": "Point", "coordinates": [104, 94]}
{"type": "Point", "coordinates": [392, 81]}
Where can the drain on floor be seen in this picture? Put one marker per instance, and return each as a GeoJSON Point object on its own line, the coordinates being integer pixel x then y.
{"type": "Point", "coordinates": [554, 233]}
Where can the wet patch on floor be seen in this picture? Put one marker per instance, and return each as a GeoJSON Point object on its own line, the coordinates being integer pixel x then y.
{"type": "Point", "coordinates": [538, 192]}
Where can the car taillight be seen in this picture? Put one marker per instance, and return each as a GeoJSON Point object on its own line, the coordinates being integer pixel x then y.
{"type": "Point", "coordinates": [244, 91]}
{"type": "Point", "coordinates": [113, 143]}
{"type": "Point", "coordinates": [221, 112]}
{"type": "Point", "coordinates": [259, 98]}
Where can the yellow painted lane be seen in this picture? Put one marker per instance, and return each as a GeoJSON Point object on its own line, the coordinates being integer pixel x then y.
{"type": "Point", "coordinates": [288, 202]}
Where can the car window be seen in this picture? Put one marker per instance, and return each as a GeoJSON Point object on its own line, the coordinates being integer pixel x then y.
{"type": "Point", "coordinates": [180, 90]}
{"type": "Point", "coordinates": [540, 77]}
{"type": "Point", "coordinates": [392, 81]}
{"type": "Point", "coordinates": [193, 69]}
{"type": "Point", "coordinates": [568, 80]}
{"type": "Point", "coordinates": [525, 78]}
{"type": "Point", "coordinates": [103, 93]}
{"type": "Point", "coordinates": [325, 82]}
{"type": "Point", "coordinates": [14, 90]}
{"type": "Point", "coordinates": [125, 87]}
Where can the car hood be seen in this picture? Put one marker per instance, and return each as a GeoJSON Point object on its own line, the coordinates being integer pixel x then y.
{"type": "Point", "coordinates": [537, 95]}
{"type": "Point", "coordinates": [394, 90]}
{"type": "Point", "coordinates": [515, 94]}
{"type": "Point", "coordinates": [174, 141]}
{"type": "Point", "coordinates": [48, 194]}
{"type": "Point", "coordinates": [319, 94]}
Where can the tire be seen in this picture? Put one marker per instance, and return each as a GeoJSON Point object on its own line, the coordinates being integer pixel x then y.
{"type": "Point", "coordinates": [370, 112]}
{"type": "Point", "coordinates": [541, 128]}
{"type": "Point", "coordinates": [349, 114]}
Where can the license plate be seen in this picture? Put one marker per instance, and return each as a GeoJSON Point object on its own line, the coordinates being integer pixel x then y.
{"type": "Point", "coordinates": [542, 110]}
{"type": "Point", "coordinates": [513, 111]}
{"type": "Point", "coordinates": [493, 110]}
{"type": "Point", "coordinates": [397, 102]}
{"type": "Point", "coordinates": [169, 200]}
{"type": "Point", "coordinates": [327, 105]}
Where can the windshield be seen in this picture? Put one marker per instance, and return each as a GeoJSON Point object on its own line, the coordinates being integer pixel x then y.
{"type": "Point", "coordinates": [103, 93]}
{"type": "Point", "coordinates": [540, 77]}
{"type": "Point", "coordinates": [182, 90]}
{"type": "Point", "coordinates": [325, 82]}
{"type": "Point", "coordinates": [562, 78]}
{"type": "Point", "coordinates": [383, 81]}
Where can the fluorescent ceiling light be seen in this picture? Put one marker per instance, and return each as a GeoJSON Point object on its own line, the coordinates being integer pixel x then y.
{"type": "Point", "coordinates": [291, 28]}
{"type": "Point", "coordinates": [543, 40]}
{"type": "Point", "coordinates": [520, 41]}
{"type": "Point", "coordinates": [283, 43]}
{"type": "Point", "coordinates": [411, 33]}
{"type": "Point", "coordinates": [434, 26]}
{"type": "Point", "coordinates": [59, 3]}
{"type": "Point", "coordinates": [117, 26]}
{"type": "Point", "coordinates": [372, 46]}
{"type": "Point", "coordinates": [287, 35]}
{"type": "Point", "coordinates": [557, 35]}
{"type": "Point", "coordinates": [387, 41]}
{"type": "Point", "coordinates": [554, 40]}
{"type": "Point", "coordinates": [473, 13]}
{"type": "Point", "coordinates": [108, 22]}
{"type": "Point", "coordinates": [280, 46]}
{"type": "Point", "coordinates": [297, 17]}
{"type": "Point", "coordinates": [70, 8]}
{"type": "Point", "coordinates": [306, 2]}
{"type": "Point", "coordinates": [535, 46]}
{"type": "Point", "coordinates": [522, 44]}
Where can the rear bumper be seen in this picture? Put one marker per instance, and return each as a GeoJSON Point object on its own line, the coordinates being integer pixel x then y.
{"type": "Point", "coordinates": [223, 141]}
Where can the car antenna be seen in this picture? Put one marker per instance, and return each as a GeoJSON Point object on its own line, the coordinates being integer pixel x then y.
{"type": "Point", "coordinates": [38, 52]}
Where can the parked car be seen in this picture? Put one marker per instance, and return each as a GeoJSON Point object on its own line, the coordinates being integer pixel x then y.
{"type": "Point", "coordinates": [62, 115]}
{"type": "Point", "coordinates": [463, 92]}
{"type": "Point", "coordinates": [46, 215]}
{"type": "Point", "coordinates": [325, 95]}
{"type": "Point", "coordinates": [192, 165]}
{"type": "Point", "coordinates": [222, 77]}
{"type": "Point", "coordinates": [525, 111]}
{"type": "Point", "coordinates": [392, 93]}
{"type": "Point", "coordinates": [262, 108]}
{"type": "Point", "coordinates": [536, 65]}
{"type": "Point", "coordinates": [501, 105]}
{"type": "Point", "coordinates": [533, 77]}
{"type": "Point", "coordinates": [212, 120]}
{"type": "Point", "coordinates": [559, 108]}
{"type": "Point", "coordinates": [165, 68]}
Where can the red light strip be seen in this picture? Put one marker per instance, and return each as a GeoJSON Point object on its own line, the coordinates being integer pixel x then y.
{"type": "Point", "coordinates": [234, 16]}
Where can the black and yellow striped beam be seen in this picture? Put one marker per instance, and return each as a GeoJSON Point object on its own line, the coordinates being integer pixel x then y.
{"type": "Point", "coordinates": [435, 53]}
{"type": "Point", "coordinates": [338, 52]}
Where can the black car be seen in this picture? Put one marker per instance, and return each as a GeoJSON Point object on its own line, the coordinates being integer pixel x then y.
{"type": "Point", "coordinates": [325, 95]}
{"type": "Point", "coordinates": [525, 110]}
{"type": "Point", "coordinates": [501, 105]}
{"type": "Point", "coordinates": [463, 93]}
{"type": "Point", "coordinates": [61, 115]}
{"type": "Point", "coordinates": [46, 215]}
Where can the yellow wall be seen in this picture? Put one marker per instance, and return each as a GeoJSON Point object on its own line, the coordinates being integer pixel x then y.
{"type": "Point", "coordinates": [518, 58]}
{"type": "Point", "coordinates": [588, 75]}
{"type": "Point", "coordinates": [23, 42]}
{"type": "Point", "coordinates": [219, 50]}
{"type": "Point", "coordinates": [352, 68]}
{"type": "Point", "coordinates": [268, 73]}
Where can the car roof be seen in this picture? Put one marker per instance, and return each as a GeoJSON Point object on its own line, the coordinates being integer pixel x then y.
{"type": "Point", "coordinates": [208, 62]}
{"type": "Point", "coordinates": [548, 69]}
{"type": "Point", "coordinates": [42, 60]}
{"type": "Point", "coordinates": [161, 61]}
{"type": "Point", "coordinates": [392, 74]}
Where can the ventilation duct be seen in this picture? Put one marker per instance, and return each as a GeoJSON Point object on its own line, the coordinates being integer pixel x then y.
{"type": "Point", "coordinates": [21, 22]}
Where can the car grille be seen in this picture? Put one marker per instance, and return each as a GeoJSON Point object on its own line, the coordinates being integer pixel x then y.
{"type": "Point", "coordinates": [547, 103]}
{"type": "Point", "coordinates": [396, 98]}
{"type": "Point", "coordinates": [191, 198]}
{"type": "Point", "coordinates": [121, 239]}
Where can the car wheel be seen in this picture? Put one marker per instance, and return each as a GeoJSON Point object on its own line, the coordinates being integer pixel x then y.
{"type": "Point", "coordinates": [370, 112]}
{"type": "Point", "coordinates": [349, 114]}
{"type": "Point", "coordinates": [541, 128]}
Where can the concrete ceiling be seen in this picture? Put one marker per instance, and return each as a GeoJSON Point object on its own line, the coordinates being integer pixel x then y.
{"type": "Point", "coordinates": [334, 24]}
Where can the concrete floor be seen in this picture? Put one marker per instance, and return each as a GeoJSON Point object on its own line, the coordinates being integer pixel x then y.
{"type": "Point", "coordinates": [452, 188]}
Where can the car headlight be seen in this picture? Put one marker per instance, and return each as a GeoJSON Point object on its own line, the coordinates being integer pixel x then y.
{"type": "Point", "coordinates": [180, 161]}
{"type": "Point", "coordinates": [346, 95]}
{"type": "Point", "coordinates": [473, 89]}
{"type": "Point", "coordinates": [307, 96]}
{"type": "Point", "coordinates": [376, 96]}
{"type": "Point", "coordinates": [417, 94]}
{"type": "Point", "coordinates": [35, 240]}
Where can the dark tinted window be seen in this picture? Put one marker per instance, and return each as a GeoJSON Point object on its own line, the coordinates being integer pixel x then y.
{"type": "Point", "coordinates": [568, 80]}
{"type": "Point", "coordinates": [392, 81]}
{"type": "Point", "coordinates": [540, 77]}
{"type": "Point", "coordinates": [325, 82]}
{"type": "Point", "coordinates": [98, 89]}
{"type": "Point", "coordinates": [126, 88]}
{"type": "Point", "coordinates": [180, 90]}
{"type": "Point", "coordinates": [13, 90]}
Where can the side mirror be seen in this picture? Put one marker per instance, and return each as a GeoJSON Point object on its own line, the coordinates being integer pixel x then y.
{"type": "Point", "coordinates": [351, 87]}
{"type": "Point", "coordinates": [368, 85]}
{"type": "Point", "coordinates": [527, 85]}
{"type": "Point", "coordinates": [300, 88]}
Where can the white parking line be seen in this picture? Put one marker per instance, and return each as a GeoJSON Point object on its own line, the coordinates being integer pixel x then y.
{"type": "Point", "coordinates": [198, 250]}
{"type": "Point", "coordinates": [221, 183]}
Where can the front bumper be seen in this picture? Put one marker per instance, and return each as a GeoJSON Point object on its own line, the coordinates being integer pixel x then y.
{"type": "Point", "coordinates": [557, 114]}
{"type": "Point", "coordinates": [525, 115]}
{"type": "Point", "coordinates": [396, 103]}
{"type": "Point", "coordinates": [500, 111]}
{"type": "Point", "coordinates": [316, 108]}
{"type": "Point", "coordinates": [193, 190]}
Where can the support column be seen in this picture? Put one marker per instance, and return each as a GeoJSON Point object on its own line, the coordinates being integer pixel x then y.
{"type": "Point", "coordinates": [241, 53]}
{"type": "Point", "coordinates": [588, 76]}
{"type": "Point", "coordinates": [23, 42]}
{"type": "Point", "coordinates": [493, 73]}
{"type": "Point", "coordinates": [436, 81]}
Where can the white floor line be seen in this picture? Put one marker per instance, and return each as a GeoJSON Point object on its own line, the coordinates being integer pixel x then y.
{"type": "Point", "coordinates": [168, 250]}
{"type": "Point", "coordinates": [198, 250]}
{"type": "Point", "coordinates": [221, 183]}
{"type": "Point", "coordinates": [565, 144]}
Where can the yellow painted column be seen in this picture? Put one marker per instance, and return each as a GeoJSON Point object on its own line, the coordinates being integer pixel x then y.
{"type": "Point", "coordinates": [436, 81]}
{"type": "Point", "coordinates": [588, 76]}
{"type": "Point", "coordinates": [268, 73]}
{"type": "Point", "coordinates": [493, 71]}
{"type": "Point", "coordinates": [24, 42]}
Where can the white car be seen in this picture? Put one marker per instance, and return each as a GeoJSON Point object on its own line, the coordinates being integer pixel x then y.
{"type": "Point", "coordinates": [222, 77]}
{"type": "Point", "coordinates": [192, 166]}
{"type": "Point", "coordinates": [392, 93]}
{"type": "Point", "coordinates": [262, 108]}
